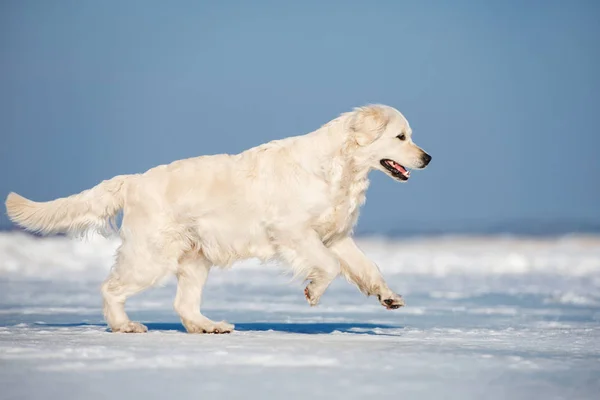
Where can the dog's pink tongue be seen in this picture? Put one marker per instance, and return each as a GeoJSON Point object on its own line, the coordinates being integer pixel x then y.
{"type": "Point", "coordinates": [400, 168]}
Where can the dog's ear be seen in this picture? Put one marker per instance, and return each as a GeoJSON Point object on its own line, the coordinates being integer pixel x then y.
{"type": "Point", "coordinates": [368, 123]}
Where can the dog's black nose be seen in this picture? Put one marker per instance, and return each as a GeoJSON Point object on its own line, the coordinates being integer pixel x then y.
{"type": "Point", "coordinates": [425, 158]}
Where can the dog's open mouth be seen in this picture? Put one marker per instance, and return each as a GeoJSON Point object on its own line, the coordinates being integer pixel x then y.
{"type": "Point", "coordinates": [398, 171]}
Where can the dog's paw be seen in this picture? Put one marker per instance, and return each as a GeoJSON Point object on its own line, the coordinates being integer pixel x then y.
{"type": "Point", "coordinates": [223, 327]}
{"type": "Point", "coordinates": [209, 327]}
{"type": "Point", "coordinates": [392, 302]}
{"type": "Point", "coordinates": [131, 327]}
{"type": "Point", "coordinates": [312, 299]}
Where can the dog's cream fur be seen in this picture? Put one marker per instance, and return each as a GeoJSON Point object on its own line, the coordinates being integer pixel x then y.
{"type": "Point", "coordinates": [295, 199]}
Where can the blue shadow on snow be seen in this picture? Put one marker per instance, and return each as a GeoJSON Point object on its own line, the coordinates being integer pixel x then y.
{"type": "Point", "coordinates": [292, 327]}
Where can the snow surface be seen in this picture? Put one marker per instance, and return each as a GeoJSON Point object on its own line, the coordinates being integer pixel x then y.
{"type": "Point", "coordinates": [493, 318]}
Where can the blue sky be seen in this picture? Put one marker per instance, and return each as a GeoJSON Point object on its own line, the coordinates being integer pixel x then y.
{"type": "Point", "coordinates": [504, 95]}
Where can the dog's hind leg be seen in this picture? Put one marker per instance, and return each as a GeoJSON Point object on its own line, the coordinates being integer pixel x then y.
{"type": "Point", "coordinates": [129, 276]}
{"type": "Point", "coordinates": [192, 273]}
{"type": "Point", "coordinates": [115, 291]}
{"type": "Point", "coordinates": [143, 260]}
{"type": "Point", "coordinates": [310, 258]}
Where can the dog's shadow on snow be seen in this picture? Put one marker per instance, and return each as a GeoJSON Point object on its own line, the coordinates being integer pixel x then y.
{"type": "Point", "coordinates": [307, 328]}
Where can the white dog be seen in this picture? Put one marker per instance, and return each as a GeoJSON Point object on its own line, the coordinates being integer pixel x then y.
{"type": "Point", "coordinates": [295, 199]}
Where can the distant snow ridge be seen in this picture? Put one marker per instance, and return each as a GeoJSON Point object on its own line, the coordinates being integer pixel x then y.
{"type": "Point", "coordinates": [25, 255]}
{"type": "Point", "coordinates": [22, 254]}
{"type": "Point", "coordinates": [571, 255]}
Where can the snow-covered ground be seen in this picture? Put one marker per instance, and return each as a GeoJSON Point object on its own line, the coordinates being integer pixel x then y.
{"type": "Point", "coordinates": [492, 318]}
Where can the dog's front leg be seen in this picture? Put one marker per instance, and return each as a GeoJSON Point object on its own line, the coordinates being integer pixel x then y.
{"type": "Point", "coordinates": [358, 269]}
{"type": "Point", "coordinates": [311, 259]}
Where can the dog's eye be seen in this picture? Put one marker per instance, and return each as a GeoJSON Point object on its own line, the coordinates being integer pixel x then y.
{"type": "Point", "coordinates": [401, 136]}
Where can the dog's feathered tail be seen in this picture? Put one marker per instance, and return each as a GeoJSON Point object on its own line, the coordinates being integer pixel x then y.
{"type": "Point", "coordinates": [94, 209]}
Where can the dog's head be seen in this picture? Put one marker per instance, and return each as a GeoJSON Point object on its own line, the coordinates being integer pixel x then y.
{"type": "Point", "coordinates": [384, 141]}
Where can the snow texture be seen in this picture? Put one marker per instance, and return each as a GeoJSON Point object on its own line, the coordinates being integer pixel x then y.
{"type": "Point", "coordinates": [493, 318]}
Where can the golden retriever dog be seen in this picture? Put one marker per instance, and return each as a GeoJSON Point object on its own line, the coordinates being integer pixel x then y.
{"type": "Point", "coordinates": [295, 200]}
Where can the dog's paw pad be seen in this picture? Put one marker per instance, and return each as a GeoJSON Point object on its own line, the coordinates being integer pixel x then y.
{"type": "Point", "coordinates": [312, 300]}
{"type": "Point", "coordinates": [393, 303]}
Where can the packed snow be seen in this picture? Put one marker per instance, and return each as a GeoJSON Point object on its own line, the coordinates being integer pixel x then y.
{"type": "Point", "coordinates": [486, 317]}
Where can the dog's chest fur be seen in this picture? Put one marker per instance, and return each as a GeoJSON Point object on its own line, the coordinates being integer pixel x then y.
{"type": "Point", "coordinates": [348, 192]}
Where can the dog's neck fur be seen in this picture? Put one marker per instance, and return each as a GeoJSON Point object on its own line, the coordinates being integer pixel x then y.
{"type": "Point", "coordinates": [347, 177]}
